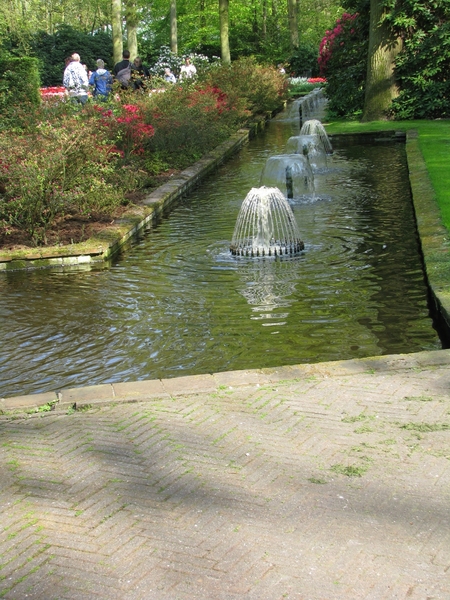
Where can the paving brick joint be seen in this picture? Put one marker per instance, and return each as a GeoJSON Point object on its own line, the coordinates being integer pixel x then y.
{"type": "Point", "coordinates": [312, 482]}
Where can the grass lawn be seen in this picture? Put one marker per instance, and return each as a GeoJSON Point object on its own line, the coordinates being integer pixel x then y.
{"type": "Point", "coordinates": [434, 143]}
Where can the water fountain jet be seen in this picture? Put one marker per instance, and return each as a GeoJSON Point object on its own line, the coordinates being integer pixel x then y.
{"type": "Point", "coordinates": [310, 146]}
{"type": "Point", "coordinates": [290, 173]}
{"type": "Point", "coordinates": [266, 226]}
{"type": "Point", "coordinates": [315, 127]}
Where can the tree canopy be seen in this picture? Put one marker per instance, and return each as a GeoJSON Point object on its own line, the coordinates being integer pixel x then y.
{"type": "Point", "coordinates": [260, 29]}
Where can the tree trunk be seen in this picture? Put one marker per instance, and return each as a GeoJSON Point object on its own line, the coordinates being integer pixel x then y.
{"type": "Point", "coordinates": [116, 22]}
{"type": "Point", "coordinates": [202, 14]}
{"type": "Point", "coordinates": [173, 27]}
{"type": "Point", "coordinates": [384, 46]}
{"type": "Point", "coordinates": [132, 25]}
{"type": "Point", "coordinates": [224, 32]}
{"type": "Point", "coordinates": [264, 20]}
{"type": "Point", "coordinates": [293, 23]}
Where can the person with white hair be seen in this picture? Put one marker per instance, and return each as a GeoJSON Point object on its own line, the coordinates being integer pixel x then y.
{"type": "Point", "coordinates": [75, 80]}
{"type": "Point", "coordinates": [101, 81]}
{"type": "Point", "coordinates": [169, 76]}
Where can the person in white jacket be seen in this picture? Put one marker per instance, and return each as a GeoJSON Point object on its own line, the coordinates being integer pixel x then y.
{"type": "Point", "coordinates": [75, 80]}
{"type": "Point", "coordinates": [188, 70]}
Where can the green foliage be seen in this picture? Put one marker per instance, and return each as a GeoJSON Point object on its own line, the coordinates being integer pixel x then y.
{"type": "Point", "coordinates": [423, 65]}
{"type": "Point", "coordinates": [303, 63]}
{"type": "Point", "coordinates": [53, 49]}
{"type": "Point", "coordinates": [191, 120]}
{"type": "Point", "coordinates": [343, 61]}
{"type": "Point", "coordinates": [60, 168]}
{"type": "Point", "coordinates": [263, 88]}
{"type": "Point", "coordinates": [256, 29]}
{"type": "Point", "coordinates": [73, 160]}
{"type": "Point", "coordinates": [19, 85]}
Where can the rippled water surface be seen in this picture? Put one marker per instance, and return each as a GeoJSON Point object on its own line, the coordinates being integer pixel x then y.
{"type": "Point", "coordinates": [178, 303]}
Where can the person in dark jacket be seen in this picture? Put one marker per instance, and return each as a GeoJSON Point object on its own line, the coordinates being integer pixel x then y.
{"type": "Point", "coordinates": [139, 73]}
{"type": "Point", "coordinates": [122, 69]}
{"type": "Point", "coordinates": [101, 80]}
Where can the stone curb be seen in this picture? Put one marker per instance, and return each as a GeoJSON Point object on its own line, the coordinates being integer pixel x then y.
{"type": "Point", "coordinates": [142, 391]}
{"type": "Point", "coordinates": [433, 235]}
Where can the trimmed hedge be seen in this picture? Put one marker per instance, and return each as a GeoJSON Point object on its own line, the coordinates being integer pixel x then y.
{"type": "Point", "coordinates": [19, 84]}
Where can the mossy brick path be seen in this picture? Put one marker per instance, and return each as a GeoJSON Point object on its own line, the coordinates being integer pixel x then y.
{"type": "Point", "coordinates": [312, 482]}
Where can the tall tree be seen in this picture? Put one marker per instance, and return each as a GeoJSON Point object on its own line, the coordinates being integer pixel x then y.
{"type": "Point", "coordinates": [116, 22]}
{"type": "Point", "coordinates": [384, 45]}
{"type": "Point", "coordinates": [224, 32]}
{"type": "Point", "coordinates": [173, 27]}
{"type": "Point", "coordinates": [132, 21]}
{"type": "Point", "coordinates": [293, 23]}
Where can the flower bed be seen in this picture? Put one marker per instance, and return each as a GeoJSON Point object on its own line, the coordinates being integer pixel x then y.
{"type": "Point", "coordinates": [52, 92]}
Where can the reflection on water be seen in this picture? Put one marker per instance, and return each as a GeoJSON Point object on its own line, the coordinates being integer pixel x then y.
{"type": "Point", "coordinates": [269, 285]}
{"type": "Point", "coordinates": [178, 303]}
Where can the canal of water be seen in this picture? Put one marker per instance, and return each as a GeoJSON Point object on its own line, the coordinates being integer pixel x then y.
{"type": "Point", "coordinates": [177, 303]}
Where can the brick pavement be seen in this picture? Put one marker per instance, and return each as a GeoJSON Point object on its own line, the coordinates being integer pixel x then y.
{"type": "Point", "coordinates": [316, 482]}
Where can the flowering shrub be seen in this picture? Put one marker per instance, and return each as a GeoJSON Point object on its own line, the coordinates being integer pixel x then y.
{"type": "Point", "coordinates": [343, 60]}
{"type": "Point", "coordinates": [190, 120]}
{"type": "Point", "coordinates": [62, 159]}
{"type": "Point", "coordinates": [126, 128]}
{"type": "Point", "coordinates": [60, 169]}
{"type": "Point", "coordinates": [262, 88]}
{"type": "Point", "coordinates": [345, 27]}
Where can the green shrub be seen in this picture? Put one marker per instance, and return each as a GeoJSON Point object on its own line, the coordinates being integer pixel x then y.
{"type": "Point", "coordinates": [52, 50]}
{"type": "Point", "coordinates": [303, 63]}
{"type": "Point", "coordinates": [19, 86]}
{"type": "Point", "coordinates": [189, 120]}
{"type": "Point", "coordinates": [262, 87]}
{"type": "Point", "coordinates": [422, 70]}
{"type": "Point", "coordinates": [70, 160]}
{"type": "Point", "coordinates": [62, 168]}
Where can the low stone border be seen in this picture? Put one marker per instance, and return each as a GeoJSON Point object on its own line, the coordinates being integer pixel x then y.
{"type": "Point", "coordinates": [433, 236]}
{"type": "Point", "coordinates": [147, 390]}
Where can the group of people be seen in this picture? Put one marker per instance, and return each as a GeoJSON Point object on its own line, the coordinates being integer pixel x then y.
{"type": "Point", "coordinates": [78, 81]}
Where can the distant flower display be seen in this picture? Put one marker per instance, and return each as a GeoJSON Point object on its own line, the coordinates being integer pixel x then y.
{"type": "Point", "coordinates": [52, 92]}
{"type": "Point", "coordinates": [316, 80]}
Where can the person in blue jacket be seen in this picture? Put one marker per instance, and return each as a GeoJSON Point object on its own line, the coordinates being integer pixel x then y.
{"type": "Point", "coordinates": [101, 80]}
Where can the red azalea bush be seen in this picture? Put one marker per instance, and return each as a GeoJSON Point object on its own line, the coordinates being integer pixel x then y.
{"type": "Point", "coordinates": [126, 127]}
{"type": "Point", "coordinates": [343, 60]}
{"type": "Point", "coordinates": [190, 120]}
{"type": "Point", "coordinates": [334, 38]}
